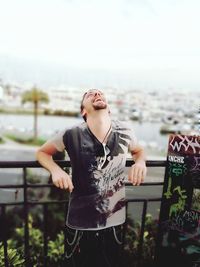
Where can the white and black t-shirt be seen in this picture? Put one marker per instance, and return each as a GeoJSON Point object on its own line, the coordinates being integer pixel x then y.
{"type": "Point", "coordinates": [98, 198]}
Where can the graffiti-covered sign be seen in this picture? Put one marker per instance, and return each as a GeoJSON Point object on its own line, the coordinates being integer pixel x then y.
{"type": "Point", "coordinates": [179, 225]}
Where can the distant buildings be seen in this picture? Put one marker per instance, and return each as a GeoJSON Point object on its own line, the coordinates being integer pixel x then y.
{"type": "Point", "coordinates": [1, 94]}
{"type": "Point", "coordinates": [151, 106]}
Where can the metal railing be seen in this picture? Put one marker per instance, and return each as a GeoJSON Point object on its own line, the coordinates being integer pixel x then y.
{"type": "Point", "coordinates": [26, 203]}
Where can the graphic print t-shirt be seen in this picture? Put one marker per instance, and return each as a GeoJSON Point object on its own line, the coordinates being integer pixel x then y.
{"type": "Point", "coordinates": [98, 198]}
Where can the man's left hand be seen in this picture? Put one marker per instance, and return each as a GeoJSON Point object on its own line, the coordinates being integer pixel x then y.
{"type": "Point", "coordinates": [137, 173]}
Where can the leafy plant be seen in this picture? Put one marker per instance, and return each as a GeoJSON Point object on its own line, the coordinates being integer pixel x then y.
{"type": "Point", "coordinates": [55, 247]}
{"type": "Point", "coordinates": [132, 241]}
{"type": "Point", "coordinates": [196, 199]}
{"type": "Point", "coordinates": [14, 257]}
{"type": "Point", "coordinates": [35, 242]}
{"type": "Point", "coordinates": [35, 96]}
{"type": "Point", "coordinates": [1, 140]}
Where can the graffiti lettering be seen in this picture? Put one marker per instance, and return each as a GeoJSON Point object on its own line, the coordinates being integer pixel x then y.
{"type": "Point", "coordinates": [184, 144]}
{"type": "Point", "coordinates": [196, 164]}
{"type": "Point", "coordinates": [176, 159]}
{"type": "Point", "coordinates": [191, 216]}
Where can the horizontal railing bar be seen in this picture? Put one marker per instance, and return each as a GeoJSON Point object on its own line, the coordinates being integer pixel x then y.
{"type": "Point", "coordinates": [28, 185]}
{"type": "Point", "coordinates": [146, 184]}
{"type": "Point", "coordinates": [149, 163]}
{"type": "Point", "coordinates": [33, 202]}
{"type": "Point", "coordinates": [66, 201]}
{"type": "Point", "coordinates": [51, 185]}
{"type": "Point", "coordinates": [66, 163]}
{"type": "Point", "coordinates": [143, 199]}
{"type": "Point", "coordinates": [30, 164]}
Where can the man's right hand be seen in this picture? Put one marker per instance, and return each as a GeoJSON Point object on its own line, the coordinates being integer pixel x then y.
{"type": "Point", "coordinates": [59, 177]}
{"type": "Point", "coordinates": [62, 180]}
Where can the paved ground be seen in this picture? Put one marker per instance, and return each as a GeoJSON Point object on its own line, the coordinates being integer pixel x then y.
{"type": "Point", "coordinates": [14, 151]}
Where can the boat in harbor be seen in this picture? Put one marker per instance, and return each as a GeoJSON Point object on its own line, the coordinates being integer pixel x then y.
{"type": "Point", "coordinates": [179, 128]}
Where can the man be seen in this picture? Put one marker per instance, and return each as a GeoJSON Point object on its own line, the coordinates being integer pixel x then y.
{"type": "Point", "coordinates": [98, 150]}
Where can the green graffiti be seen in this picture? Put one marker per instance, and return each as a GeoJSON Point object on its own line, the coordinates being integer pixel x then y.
{"type": "Point", "coordinates": [180, 205]}
{"type": "Point", "coordinates": [177, 169]}
{"type": "Point", "coordinates": [168, 194]}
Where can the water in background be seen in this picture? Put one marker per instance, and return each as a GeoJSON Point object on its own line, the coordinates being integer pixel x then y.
{"type": "Point", "coordinates": [147, 132]}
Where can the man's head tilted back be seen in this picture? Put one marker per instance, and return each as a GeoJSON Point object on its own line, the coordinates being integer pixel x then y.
{"type": "Point", "coordinates": [93, 99]}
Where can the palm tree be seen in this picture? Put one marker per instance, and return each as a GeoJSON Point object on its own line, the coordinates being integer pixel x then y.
{"type": "Point", "coordinates": [6, 87]}
{"type": "Point", "coordinates": [35, 96]}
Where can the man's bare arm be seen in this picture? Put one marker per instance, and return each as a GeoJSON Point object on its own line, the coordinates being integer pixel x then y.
{"type": "Point", "coordinates": [59, 177]}
{"type": "Point", "coordinates": [138, 171]}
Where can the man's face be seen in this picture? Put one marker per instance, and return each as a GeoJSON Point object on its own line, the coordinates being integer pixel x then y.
{"type": "Point", "coordinates": [94, 99]}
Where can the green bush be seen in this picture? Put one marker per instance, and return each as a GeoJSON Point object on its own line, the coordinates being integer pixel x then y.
{"type": "Point", "coordinates": [55, 247]}
{"type": "Point", "coordinates": [56, 244]}
{"type": "Point", "coordinates": [196, 199]}
{"type": "Point", "coordinates": [1, 140]}
{"type": "Point", "coordinates": [132, 240]}
{"type": "Point", "coordinates": [14, 257]}
{"type": "Point", "coordinates": [26, 140]}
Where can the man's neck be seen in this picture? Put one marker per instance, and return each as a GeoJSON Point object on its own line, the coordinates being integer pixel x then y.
{"type": "Point", "coordinates": [99, 123]}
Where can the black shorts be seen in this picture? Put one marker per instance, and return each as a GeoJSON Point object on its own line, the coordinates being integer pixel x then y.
{"type": "Point", "coordinates": [94, 248]}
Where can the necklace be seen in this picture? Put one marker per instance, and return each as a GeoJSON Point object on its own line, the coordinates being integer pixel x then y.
{"type": "Point", "coordinates": [106, 135]}
{"type": "Point", "coordinates": [106, 152]}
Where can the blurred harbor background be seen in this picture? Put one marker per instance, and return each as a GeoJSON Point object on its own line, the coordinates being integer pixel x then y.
{"type": "Point", "coordinates": [153, 115]}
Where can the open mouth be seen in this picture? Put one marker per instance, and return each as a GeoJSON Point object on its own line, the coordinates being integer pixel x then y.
{"type": "Point", "coordinates": [98, 100]}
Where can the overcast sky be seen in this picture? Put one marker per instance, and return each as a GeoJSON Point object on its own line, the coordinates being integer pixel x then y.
{"type": "Point", "coordinates": [152, 42]}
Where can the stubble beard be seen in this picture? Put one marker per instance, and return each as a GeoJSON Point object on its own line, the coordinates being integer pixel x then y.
{"type": "Point", "coordinates": [99, 106]}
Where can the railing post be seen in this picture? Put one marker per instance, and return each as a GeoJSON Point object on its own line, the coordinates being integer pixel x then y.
{"type": "Point", "coordinates": [124, 228]}
{"type": "Point", "coordinates": [45, 220]}
{"type": "Point", "coordinates": [141, 240]}
{"type": "Point", "coordinates": [26, 228]}
{"type": "Point", "coordinates": [4, 232]}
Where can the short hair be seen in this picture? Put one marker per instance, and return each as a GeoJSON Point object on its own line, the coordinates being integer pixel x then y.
{"type": "Point", "coordinates": [82, 107]}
